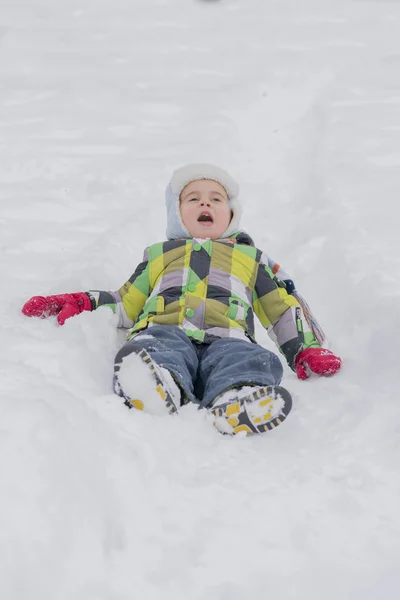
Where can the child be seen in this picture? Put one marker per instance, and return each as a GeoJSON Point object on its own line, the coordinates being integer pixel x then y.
{"type": "Point", "coordinates": [189, 309]}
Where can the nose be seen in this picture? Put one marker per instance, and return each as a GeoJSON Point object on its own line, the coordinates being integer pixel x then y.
{"type": "Point", "coordinates": [205, 202]}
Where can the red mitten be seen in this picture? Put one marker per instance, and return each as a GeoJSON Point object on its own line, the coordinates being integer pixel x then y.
{"type": "Point", "coordinates": [317, 360]}
{"type": "Point", "coordinates": [62, 305]}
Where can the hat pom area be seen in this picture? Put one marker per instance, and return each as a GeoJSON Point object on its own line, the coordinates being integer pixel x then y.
{"type": "Point", "coordinates": [181, 177]}
{"type": "Point", "coordinates": [193, 172]}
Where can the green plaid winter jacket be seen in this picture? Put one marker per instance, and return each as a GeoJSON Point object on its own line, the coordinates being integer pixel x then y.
{"type": "Point", "coordinates": [211, 289]}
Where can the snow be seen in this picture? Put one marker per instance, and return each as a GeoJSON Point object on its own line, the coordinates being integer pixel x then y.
{"type": "Point", "coordinates": [99, 102]}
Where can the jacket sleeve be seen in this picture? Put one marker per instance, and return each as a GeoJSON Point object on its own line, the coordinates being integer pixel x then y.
{"type": "Point", "coordinates": [281, 314]}
{"type": "Point", "coordinates": [128, 301]}
{"type": "Point", "coordinates": [280, 274]}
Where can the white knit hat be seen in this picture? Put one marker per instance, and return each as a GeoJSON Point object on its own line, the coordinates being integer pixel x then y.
{"type": "Point", "coordinates": [180, 178]}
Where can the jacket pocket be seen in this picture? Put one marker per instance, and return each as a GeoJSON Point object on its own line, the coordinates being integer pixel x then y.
{"type": "Point", "coordinates": [237, 311]}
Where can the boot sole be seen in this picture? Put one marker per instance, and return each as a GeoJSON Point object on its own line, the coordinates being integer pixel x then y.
{"type": "Point", "coordinates": [161, 388]}
{"type": "Point", "coordinates": [235, 414]}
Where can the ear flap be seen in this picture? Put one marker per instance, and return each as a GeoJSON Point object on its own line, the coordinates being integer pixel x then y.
{"type": "Point", "coordinates": [175, 227]}
{"type": "Point", "coordinates": [234, 225]}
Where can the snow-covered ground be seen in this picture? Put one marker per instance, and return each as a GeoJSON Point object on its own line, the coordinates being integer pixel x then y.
{"type": "Point", "coordinates": [99, 102]}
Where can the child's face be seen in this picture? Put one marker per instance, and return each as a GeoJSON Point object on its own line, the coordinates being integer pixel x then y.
{"type": "Point", "coordinates": [205, 209]}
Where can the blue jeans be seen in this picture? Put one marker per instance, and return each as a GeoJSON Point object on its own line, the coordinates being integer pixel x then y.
{"type": "Point", "coordinates": [203, 371]}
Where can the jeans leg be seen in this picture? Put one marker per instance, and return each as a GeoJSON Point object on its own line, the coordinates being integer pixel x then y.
{"type": "Point", "coordinates": [169, 347]}
{"type": "Point", "coordinates": [228, 363]}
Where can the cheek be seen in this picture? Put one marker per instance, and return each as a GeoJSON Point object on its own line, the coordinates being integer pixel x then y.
{"type": "Point", "coordinates": [187, 211]}
{"type": "Point", "coordinates": [227, 214]}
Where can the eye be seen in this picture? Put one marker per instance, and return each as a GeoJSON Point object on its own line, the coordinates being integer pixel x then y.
{"type": "Point", "coordinates": [194, 199]}
{"type": "Point", "coordinates": [216, 199]}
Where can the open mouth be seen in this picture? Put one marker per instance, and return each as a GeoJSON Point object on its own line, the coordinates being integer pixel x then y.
{"type": "Point", "coordinates": [205, 217]}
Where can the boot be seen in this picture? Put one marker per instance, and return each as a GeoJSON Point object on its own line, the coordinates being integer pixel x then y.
{"type": "Point", "coordinates": [144, 385]}
{"type": "Point", "coordinates": [253, 409]}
